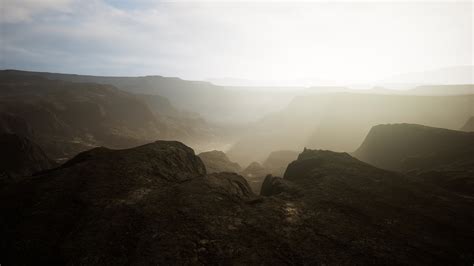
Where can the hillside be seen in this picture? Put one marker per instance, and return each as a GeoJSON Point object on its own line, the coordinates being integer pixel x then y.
{"type": "Point", "coordinates": [469, 126]}
{"type": "Point", "coordinates": [217, 161]}
{"type": "Point", "coordinates": [214, 103]}
{"type": "Point", "coordinates": [65, 118]}
{"type": "Point", "coordinates": [372, 211]}
{"type": "Point", "coordinates": [115, 206]}
{"type": "Point", "coordinates": [400, 146]}
{"type": "Point", "coordinates": [20, 158]}
{"type": "Point", "coordinates": [440, 156]}
{"type": "Point", "coordinates": [340, 121]}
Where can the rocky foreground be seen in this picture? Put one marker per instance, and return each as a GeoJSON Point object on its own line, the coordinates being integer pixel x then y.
{"type": "Point", "coordinates": [156, 204]}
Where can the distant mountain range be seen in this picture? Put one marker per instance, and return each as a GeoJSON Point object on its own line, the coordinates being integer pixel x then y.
{"type": "Point", "coordinates": [84, 179]}
{"type": "Point", "coordinates": [214, 103]}
{"type": "Point", "coordinates": [403, 81]}
{"type": "Point", "coordinates": [65, 117]}
{"type": "Point", "coordinates": [340, 121]}
{"type": "Point", "coordinates": [236, 119]}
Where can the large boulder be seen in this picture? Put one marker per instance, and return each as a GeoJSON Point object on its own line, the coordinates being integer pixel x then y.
{"type": "Point", "coordinates": [273, 185]}
{"type": "Point", "coordinates": [152, 204]}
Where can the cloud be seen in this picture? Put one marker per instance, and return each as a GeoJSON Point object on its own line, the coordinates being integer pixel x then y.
{"type": "Point", "coordinates": [199, 40]}
{"type": "Point", "coordinates": [15, 11]}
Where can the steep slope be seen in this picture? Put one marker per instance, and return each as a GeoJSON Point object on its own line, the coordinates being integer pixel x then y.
{"type": "Point", "coordinates": [217, 161]}
{"type": "Point", "coordinates": [277, 161]}
{"type": "Point", "coordinates": [20, 157]}
{"type": "Point", "coordinates": [65, 118]}
{"type": "Point", "coordinates": [441, 156]}
{"type": "Point", "coordinates": [469, 126]}
{"type": "Point", "coordinates": [375, 212]}
{"type": "Point", "coordinates": [214, 103]}
{"type": "Point", "coordinates": [340, 121]}
{"type": "Point", "coordinates": [409, 146]}
{"type": "Point", "coordinates": [184, 126]}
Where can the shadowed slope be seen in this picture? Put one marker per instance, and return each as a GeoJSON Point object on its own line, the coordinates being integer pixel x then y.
{"type": "Point", "coordinates": [20, 157]}
{"type": "Point", "coordinates": [440, 156]}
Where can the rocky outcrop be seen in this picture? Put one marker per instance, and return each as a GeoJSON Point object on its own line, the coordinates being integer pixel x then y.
{"type": "Point", "coordinates": [439, 156]}
{"type": "Point", "coordinates": [217, 161]}
{"type": "Point", "coordinates": [411, 146]}
{"type": "Point", "coordinates": [20, 158]}
{"type": "Point", "coordinates": [141, 205]}
{"type": "Point", "coordinates": [155, 204]}
{"type": "Point", "coordinates": [345, 198]}
{"type": "Point", "coordinates": [340, 121]}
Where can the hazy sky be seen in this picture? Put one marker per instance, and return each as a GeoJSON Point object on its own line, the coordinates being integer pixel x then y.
{"type": "Point", "coordinates": [346, 42]}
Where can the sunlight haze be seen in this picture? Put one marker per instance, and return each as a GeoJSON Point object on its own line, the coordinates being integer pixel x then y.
{"type": "Point", "coordinates": [289, 43]}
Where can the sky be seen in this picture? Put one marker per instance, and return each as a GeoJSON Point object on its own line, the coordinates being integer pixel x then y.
{"type": "Point", "coordinates": [265, 40]}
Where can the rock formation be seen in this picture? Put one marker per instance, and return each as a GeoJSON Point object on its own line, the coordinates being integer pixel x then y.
{"type": "Point", "coordinates": [217, 161]}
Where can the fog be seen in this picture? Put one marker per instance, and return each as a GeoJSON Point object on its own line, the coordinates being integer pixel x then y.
{"type": "Point", "coordinates": [236, 132]}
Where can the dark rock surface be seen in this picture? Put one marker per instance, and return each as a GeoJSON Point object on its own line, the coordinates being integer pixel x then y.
{"type": "Point", "coordinates": [409, 146]}
{"type": "Point", "coordinates": [378, 213]}
{"type": "Point", "coordinates": [150, 204]}
{"type": "Point", "coordinates": [154, 204]}
{"type": "Point", "coordinates": [20, 158]}
{"type": "Point", "coordinates": [273, 185]}
{"type": "Point", "coordinates": [441, 156]}
{"type": "Point", "coordinates": [65, 118]}
{"type": "Point", "coordinates": [217, 161]}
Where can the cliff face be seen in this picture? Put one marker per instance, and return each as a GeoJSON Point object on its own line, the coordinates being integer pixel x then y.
{"type": "Point", "coordinates": [20, 158]}
{"type": "Point", "coordinates": [438, 156]}
{"type": "Point", "coordinates": [340, 121]}
{"type": "Point", "coordinates": [67, 117]}
{"type": "Point", "coordinates": [409, 146]}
